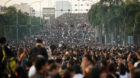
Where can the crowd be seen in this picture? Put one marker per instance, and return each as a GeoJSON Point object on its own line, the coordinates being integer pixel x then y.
{"type": "Point", "coordinates": [71, 32]}
{"type": "Point", "coordinates": [62, 61]}
{"type": "Point", "coordinates": [72, 29]}
{"type": "Point", "coordinates": [67, 51]}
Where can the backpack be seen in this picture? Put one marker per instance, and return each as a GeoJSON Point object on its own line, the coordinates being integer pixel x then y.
{"type": "Point", "coordinates": [4, 55]}
{"type": "Point", "coordinates": [10, 63]}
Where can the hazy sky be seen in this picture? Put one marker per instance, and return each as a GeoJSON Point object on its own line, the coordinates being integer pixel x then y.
{"type": "Point", "coordinates": [36, 6]}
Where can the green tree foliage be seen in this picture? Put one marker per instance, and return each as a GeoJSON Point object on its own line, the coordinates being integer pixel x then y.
{"type": "Point", "coordinates": [11, 18]}
{"type": "Point", "coordinates": [115, 17]}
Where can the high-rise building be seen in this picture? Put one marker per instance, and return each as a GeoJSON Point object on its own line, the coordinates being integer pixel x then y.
{"type": "Point", "coordinates": [73, 6]}
{"type": "Point", "coordinates": [2, 10]}
{"type": "Point", "coordinates": [62, 7]}
{"type": "Point", "coordinates": [82, 6]}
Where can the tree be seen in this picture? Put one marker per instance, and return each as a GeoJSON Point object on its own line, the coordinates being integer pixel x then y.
{"type": "Point", "coordinates": [8, 23]}
{"type": "Point", "coordinates": [114, 18]}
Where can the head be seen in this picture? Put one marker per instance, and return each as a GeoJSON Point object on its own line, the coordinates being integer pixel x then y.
{"type": "Point", "coordinates": [94, 73]}
{"type": "Point", "coordinates": [87, 59]}
{"type": "Point", "coordinates": [103, 74]}
{"type": "Point", "coordinates": [58, 62]}
{"type": "Point", "coordinates": [39, 42]}
{"type": "Point", "coordinates": [77, 69]}
{"type": "Point", "coordinates": [2, 41]}
{"type": "Point", "coordinates": [20, 72]}
{"type": "Point", "coordinates": [53, 69]}
{"type": "Point", "coordinates": [103, 64]}
{"type": "Point", "coordinates": [69, 73]}
{"type": "Point", "coordinates": [122, 69]}
{"type": "Point", "coordinates": [41, 65]}
{"type": "Point", "coordinates": [136, 73]}
{"type": "Point", "coordinates": [112, 68]}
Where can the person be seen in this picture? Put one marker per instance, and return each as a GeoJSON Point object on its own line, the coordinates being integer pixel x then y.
{"type": "Point", "coordinates": [86, 64]}
{"type": "Point", "coordinates": [39, 49]}
{"type": "Point", "coordinates": [69, 73]}
{"type": "Point", "coordinates": [41, 68]}
{"type": "Point", "coordinates": [78, 71]}
{"type": "Point", "coordinates": [20, 72]}
{"type": "Point", "coordinates": [5, 53]}
{"type": "Point", "coordinates": [136, 72]}
{"type": "Point", "coordinates": [112, 71]}
{"type": "Point", "coordinates": [94, 73]}
{"type": "Point", "coordinates": [54, 71]}
{"type": "Point", "coordinates": [122, 71]}
{"type": "Point", "coordinates": [32, 69]}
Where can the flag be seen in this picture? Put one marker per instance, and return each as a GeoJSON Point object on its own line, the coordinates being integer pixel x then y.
{"type": "Point", "coordinates": [59, 25]}
{"type": "Point", "coordinates": [84, 25]}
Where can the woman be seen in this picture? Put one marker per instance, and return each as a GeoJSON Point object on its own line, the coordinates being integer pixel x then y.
{"type": "Point", "coordinates": [122, 71]}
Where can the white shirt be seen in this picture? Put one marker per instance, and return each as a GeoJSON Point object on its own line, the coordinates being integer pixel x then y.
{"type": "Point", "coordinates": [32, 71]}
{"type": "Point", "coordinates": [123, 76]}
{"type": "Point", "coordinates": [78, 76]}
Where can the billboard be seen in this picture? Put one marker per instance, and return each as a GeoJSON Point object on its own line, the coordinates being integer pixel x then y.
{"type": "Point", "coordinates": [49, 15]}
{"type": "Point", "coordinates": [48, 10]}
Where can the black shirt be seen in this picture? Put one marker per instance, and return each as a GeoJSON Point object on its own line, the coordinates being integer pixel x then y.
{"type": "Point", "coordinates": [38, 51]}
{"type": "Point", "coordinates": [38, 75]}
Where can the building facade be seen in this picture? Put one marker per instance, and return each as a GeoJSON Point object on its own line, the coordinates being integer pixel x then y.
{"type": "Point", "coordinates": [62, 7]}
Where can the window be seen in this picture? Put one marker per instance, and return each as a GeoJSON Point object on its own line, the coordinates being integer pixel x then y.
{"type": "Point", "coordinates": [76, 10]}
{"type": "Point", "coordinates": [61, 9]}
{"type": "Point", "coordinates": [69, 10]}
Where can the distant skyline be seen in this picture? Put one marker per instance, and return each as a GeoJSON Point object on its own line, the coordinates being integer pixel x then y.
{"type": "Point", "coordinates": [36, 6]}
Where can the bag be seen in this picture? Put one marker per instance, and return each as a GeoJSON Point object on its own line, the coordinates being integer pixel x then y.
{"type": "Point", "coordinates": [4, 56]}
{"type": "Point", "coordinates": [11, 65]}
{"type": "Point", "coordinates": [9, 62]}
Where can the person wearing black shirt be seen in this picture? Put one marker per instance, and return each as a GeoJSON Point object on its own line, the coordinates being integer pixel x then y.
{"type": "Point", "coordinates": [38, 50]}
{"type": "Point", "coordinates": [5, 53]}
{"type": "Point", "coordinates": [41, 68]}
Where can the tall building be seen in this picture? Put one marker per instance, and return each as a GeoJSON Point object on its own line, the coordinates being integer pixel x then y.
{"type": "Point", "coordinates": [62, 7]}
{"type": "Point", "coordinates": [2, 10]}
{"type": "Point", "coordinates": [25, 8]}
{"type": "Point", "coordinates": [82, 6]}
{"type": "Point", "coordinates": [73, 6]}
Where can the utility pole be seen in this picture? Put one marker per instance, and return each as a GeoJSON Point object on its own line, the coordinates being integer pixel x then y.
{"type": "Point", "coordinates": [17, 25]}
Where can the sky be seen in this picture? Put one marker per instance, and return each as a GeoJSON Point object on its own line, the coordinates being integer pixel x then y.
{"type": "Point", "coordinates": [36, 3]}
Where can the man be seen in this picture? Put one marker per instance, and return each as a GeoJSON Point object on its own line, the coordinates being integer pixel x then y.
{"type": "Point", "coordinates": [32, 69]}
{"type": "Point", "coordinates": [41, 67]}
{"type": "Point", "coordinates": [54, 71]}
{"type": "Point", "coordinates": [39, 49]}
{"type": "Point", "coordinates": [5, 53]}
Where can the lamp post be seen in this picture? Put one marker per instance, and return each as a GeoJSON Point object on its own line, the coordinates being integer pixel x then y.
{"type": "Point", "coordinates": [17, 27]}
